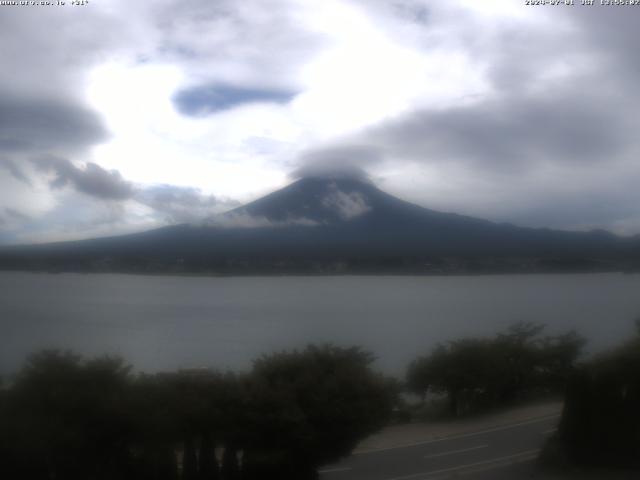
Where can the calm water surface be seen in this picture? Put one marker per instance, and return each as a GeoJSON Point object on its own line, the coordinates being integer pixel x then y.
{"type": "Point", "coordinates": [160, 323]}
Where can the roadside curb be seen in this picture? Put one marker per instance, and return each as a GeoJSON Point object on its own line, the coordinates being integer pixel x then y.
{"type": "Point", "coordinates": [390, 438]}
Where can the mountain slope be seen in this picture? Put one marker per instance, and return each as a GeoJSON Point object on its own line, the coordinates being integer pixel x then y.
{"type": "Point", "coordinates": [317, 221]}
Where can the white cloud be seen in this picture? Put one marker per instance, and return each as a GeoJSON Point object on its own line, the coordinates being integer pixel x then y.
{"type": "Point", "coordinates": [346, 205]}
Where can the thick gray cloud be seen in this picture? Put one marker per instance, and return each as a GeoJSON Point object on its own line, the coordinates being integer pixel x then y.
{"type": "Point", "coordinates": [49, 129]}
{"type": "Point", "coordinates": [175, 204]}
{"type": "Point", "coordinates": [13, 214]}
{"type": "Point", "coordinates": [551, 142]}
{"type": "Point", "coordinates": [511, 133]}
{"type": "Point", "coordinates": [609, 34]}
{"type": "Point", "coordinates": [48, 57]}
{"type": "Point", "coordinates": [15, 171]}
{"type": "Point", "coordinates": [46, 50]}
{"type": "Point", "coordinates": [169, 203]}
{"type": "Point", "coordinates": [338, 161]}
{"type": "Point", "coordinates": [546, 104]}
{"type": "Point", "coordinates": [90, 179]}
{"type": "Point", "coordinates": [42, 124]}
{"type": "Point", "coordinates": [250, 43]}
{"type": "Point", "coordinates": [10, 218]}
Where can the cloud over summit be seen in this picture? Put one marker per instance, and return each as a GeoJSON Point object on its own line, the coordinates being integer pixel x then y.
{"type": "Point", "coordinates": [338, 161]}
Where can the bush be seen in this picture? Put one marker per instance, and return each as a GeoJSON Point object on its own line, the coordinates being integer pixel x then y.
{"type": "Point", "coordinates": [69, 418]}
{"type": "Point", "coordinates": [65, 418]}
{"type": "Point", "coordinates": [600, 423]}
{"type": "Point", "coordinates": [312, 407]}
{"type": "Point", "coordinates": [477, 373]}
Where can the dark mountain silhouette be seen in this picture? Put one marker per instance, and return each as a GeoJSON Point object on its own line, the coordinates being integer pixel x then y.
{"type": "Point", "coordinates": [324, 224]}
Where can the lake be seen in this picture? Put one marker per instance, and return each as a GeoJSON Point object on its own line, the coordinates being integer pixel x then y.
{"type": "Point", "coordinates": [170, 322]}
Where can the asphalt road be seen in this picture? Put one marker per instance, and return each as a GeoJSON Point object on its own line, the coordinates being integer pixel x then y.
{"type": "Point", "coordinates": [506, 452]}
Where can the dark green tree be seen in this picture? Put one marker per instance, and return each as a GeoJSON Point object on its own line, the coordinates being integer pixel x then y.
{"type": "Point", "coordinates": [66, 417]}
{"type": "Point", "coordinates": [207, 463]}
{"type": "Point", "coordinates": [154, 427]}
{"type": "Point", "coordinates": [556, 360]}
{"type": "Point", "coordinates": [600, 423]}
{"type": "Point", "coordinates": [70, 417]}
{"type": "Point", "coordinates": [311, 407]}
{"type": "Point", "coordinates": [230, 467]}
{"type": "Point", "coordinates": [476, 373]}
{"type": "Point", "coordinates": [189, 460]}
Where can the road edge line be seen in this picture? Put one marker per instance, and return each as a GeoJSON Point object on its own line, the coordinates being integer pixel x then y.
{"type": "Point", "coordinates": [462, 435]}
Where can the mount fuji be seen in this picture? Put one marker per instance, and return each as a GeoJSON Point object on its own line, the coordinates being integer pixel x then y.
{"type": "Point", "coordinates": [329, 225]}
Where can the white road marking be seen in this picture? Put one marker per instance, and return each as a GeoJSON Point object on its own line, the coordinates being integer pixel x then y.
{"type": "Point", "coordinates": [453, 452]}
{"type": "Point", "coordinates": [551, 430]}
{"type": "Point", "coordinates": [464, 435]}
{"type": "Point", "coordinates": [335, 470]}
{"type": "Point", "coordinates": [499, 461]}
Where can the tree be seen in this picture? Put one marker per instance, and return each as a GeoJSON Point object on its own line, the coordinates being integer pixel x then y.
{"type": "Point", "coordinates": [230, 469]}
{"type": "Point", "coordinates": [154, 408]}
{"type": "Point", "coordinates": [69, 418]}
{"type": "Point", "coordinates": [311, 407]}
{"type": "Point", "coordinates": [465, 370]}
{"type": "Point", "coordinates": [600, 424]}
{"type": "Point", "coordinates": [476, 373]}
{"type": "Point", "coordinates": [207, 463]}
{"type": "Point", "coordinates": [185, 411]}
{"type": "Point", "coordinates": [557, 358]}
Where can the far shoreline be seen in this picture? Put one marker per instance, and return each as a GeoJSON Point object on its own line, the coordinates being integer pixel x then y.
{"type": "Point", "coordinates": [325, 274]}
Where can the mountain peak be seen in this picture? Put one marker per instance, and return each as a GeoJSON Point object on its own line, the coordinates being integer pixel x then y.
{"type": "Point", "coordinates": [309, 201]}
{"type": "Point", "coordinates": [337, 219]}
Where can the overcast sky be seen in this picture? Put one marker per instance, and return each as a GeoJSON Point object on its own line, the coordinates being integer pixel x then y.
{"type": "Point", "coordinates": [119, 116]}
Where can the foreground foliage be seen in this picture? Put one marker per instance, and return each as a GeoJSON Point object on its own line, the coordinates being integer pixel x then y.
{"type": "Point", "coordinates": [600, 425]}
{"type": "Point", "coordinates": [477, 373]}
{"type": "Point", "coordinates": [68, 418]}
